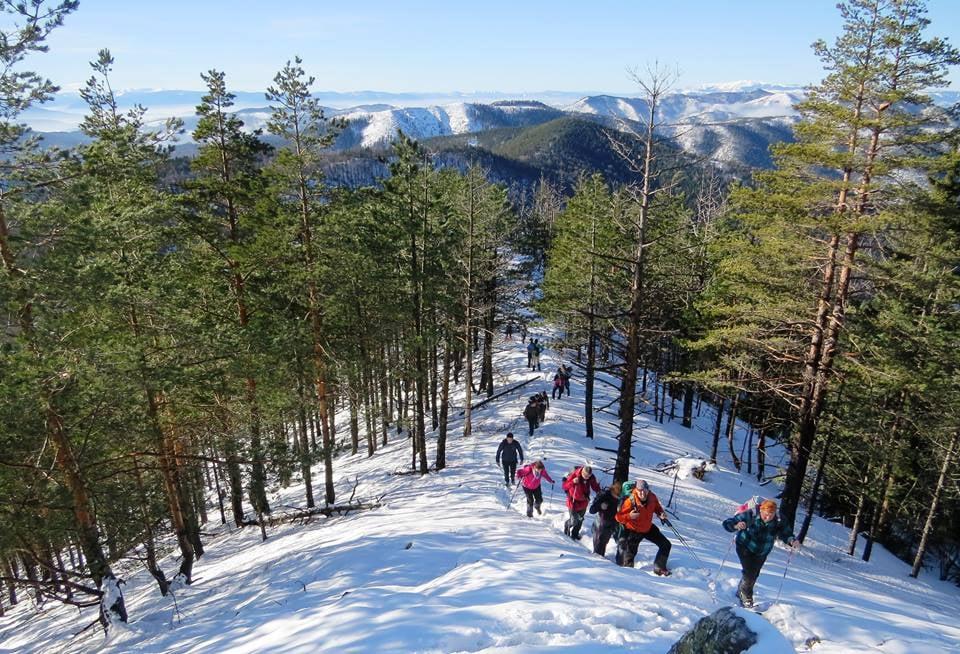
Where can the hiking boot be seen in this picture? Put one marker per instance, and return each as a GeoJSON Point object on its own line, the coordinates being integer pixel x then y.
{"type": "Point", "coordinates": [745, 602]}
{"type": "Point", "coordinates": [566, 528]}
{"type": "Point", "coordinates": [539, 512]}
{"type": "Point", "coordinates": [661, 572]}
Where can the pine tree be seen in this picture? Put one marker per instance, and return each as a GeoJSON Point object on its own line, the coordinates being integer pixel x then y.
{"type": "Point", "coordinates": [785, 278]}
{"type": "Point", "coordinates": [297, 118]}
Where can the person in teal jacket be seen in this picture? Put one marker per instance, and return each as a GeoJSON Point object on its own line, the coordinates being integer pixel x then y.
{"type": "Point", "coordinates": [756, 531]}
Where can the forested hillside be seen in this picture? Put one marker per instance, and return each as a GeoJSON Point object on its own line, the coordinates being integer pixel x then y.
{"type": "Point", "coordinates": [185, 338]}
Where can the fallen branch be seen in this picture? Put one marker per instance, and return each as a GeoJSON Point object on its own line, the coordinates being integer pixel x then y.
{"type": "Point", "coordinates": [501, 393]}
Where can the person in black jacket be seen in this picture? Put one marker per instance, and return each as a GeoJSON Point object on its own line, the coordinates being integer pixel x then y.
{"type": "Point", "coordinates": [605, 506]}
{"type": "Point", "coordinates": [509, 453]}
{"type": "Point", "coordinates": [532, 414]}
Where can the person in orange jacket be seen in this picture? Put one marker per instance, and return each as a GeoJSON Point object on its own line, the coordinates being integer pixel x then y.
{"type": "Point", "coordinates": [636, 515]}
{"type": "Point", "coordinates": [577, 486]}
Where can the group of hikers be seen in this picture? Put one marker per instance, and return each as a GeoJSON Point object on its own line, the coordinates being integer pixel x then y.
{"type": "Point", "coordinates": [536, 410]}
{"type": "Point", "coordinates": [561, 381]}
{"type": "Point", "coordinates": [625, 512]}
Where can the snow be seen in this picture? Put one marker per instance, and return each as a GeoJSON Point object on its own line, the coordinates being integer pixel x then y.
{"type": "Point", "coordinates": [448, 564]}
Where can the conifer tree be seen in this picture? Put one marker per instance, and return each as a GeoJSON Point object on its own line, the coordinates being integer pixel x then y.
{"type": "Point", "coordinates": [224, 220]}
{"type": "Point", "coordinates": [786, 278]}
{"type": "Point", "coordinates": [297, 118]}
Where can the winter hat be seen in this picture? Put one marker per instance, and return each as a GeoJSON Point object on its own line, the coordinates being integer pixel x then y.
{"type": "Point", "coordinates": [586, 470]}
{"type": "Point", "coordinates": [769, 505]}
{"type": "Point", "coordinates": [643, 485]}
{"type": "Point", "coordinates": [509, 434]}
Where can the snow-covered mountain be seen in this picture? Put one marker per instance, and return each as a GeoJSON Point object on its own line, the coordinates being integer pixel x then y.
{"type": "Point", "coordinates": [700, 108]}
{"type": "Point", "coordinates": [732, 126]}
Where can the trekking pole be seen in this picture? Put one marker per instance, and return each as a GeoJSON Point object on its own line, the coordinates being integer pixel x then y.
{"type": "Point", "coordinates": [783, 578]}
{"type": "Point", "coordinates": [685, 544]}
{"type": "Point", "coordinates": [676, 472]}
{"type": "Point", "coordinates": [513, 494]}
{"type": "Point", "coordinates": [716, 577]}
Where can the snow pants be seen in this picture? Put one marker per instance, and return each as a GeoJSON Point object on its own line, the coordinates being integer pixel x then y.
{"type": "Point", "coordinates": [603, 530]}
{"type": "Point", "coordinates": [509, 471]}
{"type": "Point", "coordinates": [534, 499]}
{"type": "Point", "coordinates": [573, 524]}
{"type": "Point", "coordinates": [630, 541]}
{"type": "Point", "coordinates": [751, 564]}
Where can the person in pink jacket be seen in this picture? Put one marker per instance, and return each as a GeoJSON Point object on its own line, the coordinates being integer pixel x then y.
{"type": "Point", "coordinates": [530, 477]}
{"type": "Point", "coordinates": [577, 486]}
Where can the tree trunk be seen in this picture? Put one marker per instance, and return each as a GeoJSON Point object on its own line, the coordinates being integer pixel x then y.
{"type": "Point", "coordinates": [148, 540]}
{"type": "Point", "coordinates": [732, 428]}
{"type": "Point", "coordinates": [83, 512]}
{"type": "Point", "coordinates": [716, 429]}
{"type": "Point", "coordinates": [934, 505]}
{"type": "Point", "coordinates": [441, 461]}
{"type": "Point", "coordinates": [688, 396]}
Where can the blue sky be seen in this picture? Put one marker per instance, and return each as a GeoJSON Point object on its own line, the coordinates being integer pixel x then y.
{"type": "Point", "coordinates": [420, 45]}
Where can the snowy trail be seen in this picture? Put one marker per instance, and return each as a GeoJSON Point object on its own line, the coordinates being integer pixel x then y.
{"type": "Point", "coordinates": [445, 566]}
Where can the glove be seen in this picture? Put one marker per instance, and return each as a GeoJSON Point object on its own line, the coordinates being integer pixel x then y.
{"type": "Point", "coordinates": [666, 521]}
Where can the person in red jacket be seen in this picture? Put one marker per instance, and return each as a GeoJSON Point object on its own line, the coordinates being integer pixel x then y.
{"type": "Point", "coordinates": [636, 515]}
{"type": "Point", "coordinates": [577, 485]}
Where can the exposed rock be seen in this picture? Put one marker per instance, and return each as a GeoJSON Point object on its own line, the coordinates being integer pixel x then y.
{"type": "Point", "coordinates": [723, 632]}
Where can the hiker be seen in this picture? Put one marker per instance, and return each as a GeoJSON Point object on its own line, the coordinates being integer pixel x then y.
{"type": "Point", "coordinates": [543, 404]}
{"type": "Point", "coordinates": [535, 357]}
{"type": "Point", "coordinates": [577, 486]}
{"type": "Point", "coordinates": [565, 374]}
{"type": "Point", "coordinates": [523, 332]}
{"type": "Point", "coordinates": [756, 530]}
{"type": "Point", "coordinates": [532, 414]}
{"type": "Point", "coordinates": [605, 506]}
{"type": "Point", "coordinates": [557, 385]}
{"type": "Point", "coordinates": [509, 453]}
{"type": "Point", "coordinates": [531, 348]}
{"type": "Point", "coordinates": [509, 331]}
{"type": "Point", "coordinates": [636, 512]}
{"type": "Point", "coordinates": [530, 477]}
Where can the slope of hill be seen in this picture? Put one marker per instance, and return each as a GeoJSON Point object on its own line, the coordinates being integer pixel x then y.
{"type": "Point", "coordinates": [450, 563]}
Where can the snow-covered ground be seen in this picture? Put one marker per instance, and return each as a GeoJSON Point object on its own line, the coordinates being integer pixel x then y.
{"type": "Point", "coordinates": [448, 564]}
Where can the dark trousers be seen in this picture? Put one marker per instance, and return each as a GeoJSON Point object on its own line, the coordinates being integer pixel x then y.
{"type": "Point", "coordinates": [566, 386]}
{"type": "Point", "coordinates": [533, 424]}
{"type": "Point", "coordinates": [534, 499]}
{"type": "Point", "coordinates": [509, 470]}
{"type": "Point", "coordinates": [750, 564]}
{"type": "Point", "coordinates": [603, 530]}
{"type": "Point", "coordinates": [572, 526]}
{"type": "Point", "coordinates": [553, 393]}
{"type": "Point", "coordinates": [630, 541]}
{"type": "Point", "coordinates": [529, 356]}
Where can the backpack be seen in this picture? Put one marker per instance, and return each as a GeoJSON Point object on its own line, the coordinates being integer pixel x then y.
{"type": "Point", "coordinates": [750, 505]}
{"type": "Point", "coordinates": [626, 490]}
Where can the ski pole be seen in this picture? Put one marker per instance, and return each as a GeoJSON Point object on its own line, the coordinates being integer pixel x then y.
{"type": "Point", "coordinates": [684, 543]}
{"type": "Point", "coordinates": [783, 578]}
